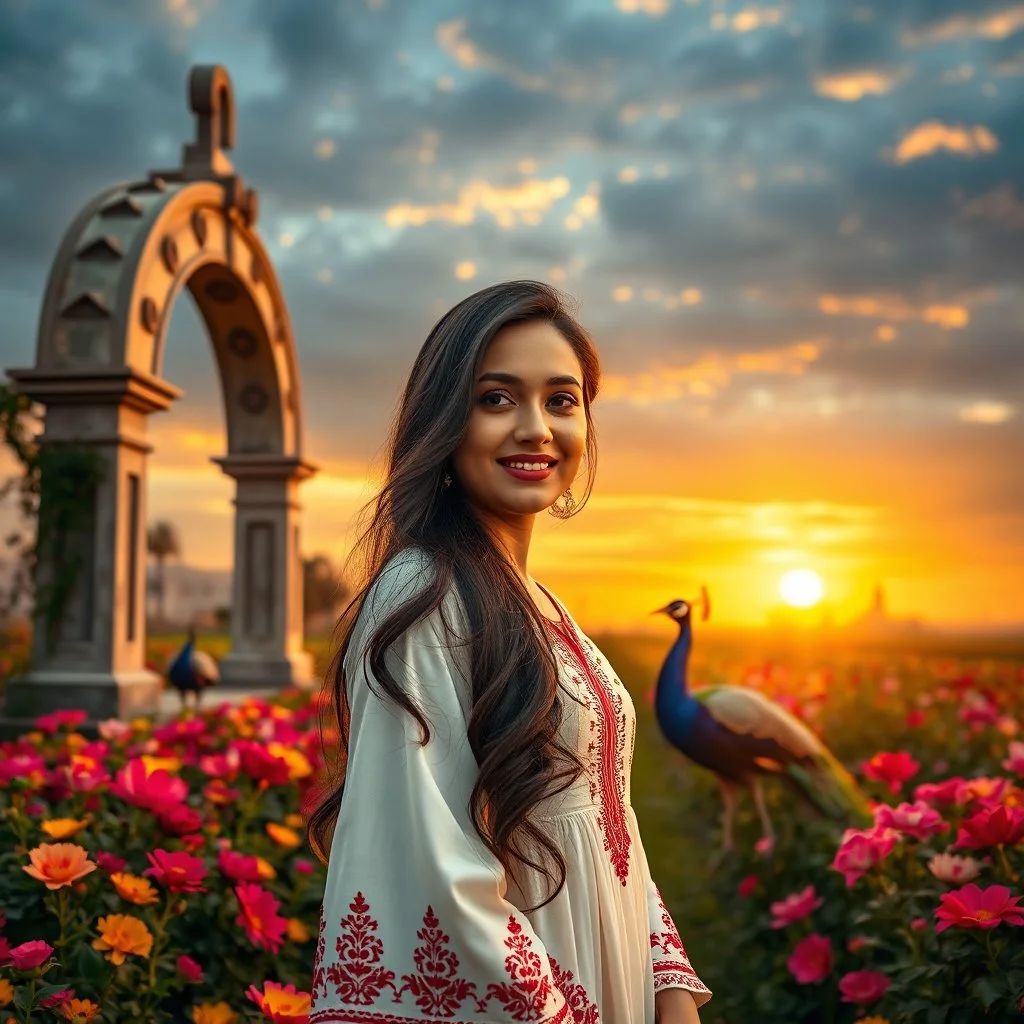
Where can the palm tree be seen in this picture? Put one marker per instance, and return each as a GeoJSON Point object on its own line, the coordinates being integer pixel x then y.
{"type": "Point", "coordinates": [162, 542]}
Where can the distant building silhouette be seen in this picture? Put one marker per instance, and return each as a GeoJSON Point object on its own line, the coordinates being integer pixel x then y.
{"type": "Point", "coordinates": [877, 621]}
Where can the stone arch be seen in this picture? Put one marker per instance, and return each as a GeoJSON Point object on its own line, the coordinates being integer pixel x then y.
{"type": "Point", "coordinates": [112, 288]}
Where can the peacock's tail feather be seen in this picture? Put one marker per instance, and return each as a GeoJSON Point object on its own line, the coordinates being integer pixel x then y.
{"type": "Point", "coordinates": [830, 788]}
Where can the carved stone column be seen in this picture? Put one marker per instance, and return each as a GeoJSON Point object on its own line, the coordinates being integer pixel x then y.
{"type": "Point", "coordinates": [267, 616]}
{"type": "Point", "coordinates": [97, 662]}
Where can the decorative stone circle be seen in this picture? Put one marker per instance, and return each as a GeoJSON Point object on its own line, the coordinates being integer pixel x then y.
{"type": "Point", "coordinates": [254, 399]}
{"type": "Point", "coordinates": [243, 343]}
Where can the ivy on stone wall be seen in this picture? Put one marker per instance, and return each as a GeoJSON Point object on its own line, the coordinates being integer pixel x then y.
{"type": "Point", "coordinates": [56, 494]}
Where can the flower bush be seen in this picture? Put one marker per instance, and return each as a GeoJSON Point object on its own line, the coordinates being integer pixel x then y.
{"type": "Point", "coordinates": [157, 874]}
{"type": "Point", "coordinates": [919, 917]}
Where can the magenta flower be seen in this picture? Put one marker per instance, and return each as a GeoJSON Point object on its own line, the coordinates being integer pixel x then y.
{"type": "Point", "coordinates": [1015, 759]}
{"type": "Point", "coordinates": [795, 907]}
{"type": "Point", "coordinates": [974, 907]}
{"type": "Point", "coordinates": [861, 849]}
{"type": "Point", "coordinates": [944, 792]}
{"type": "Point", "coordinates": [29, 955]}
{"type": "Point", "coordinates": [998, 826]}
{"type": "Point", "coordinates": [917, 820]}
{"type": "Point", "coordinates": [863, 987]}
{"type": "Point", "coordinates": [812, 960]}
{"type": "Point", "coordinates": [189, 969]}
{"type": "Point", "coordinates": [155, 791]}
{"type": "Point", "coordinates": [892, 769]}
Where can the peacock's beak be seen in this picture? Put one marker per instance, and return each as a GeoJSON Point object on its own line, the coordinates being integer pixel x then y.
{"type": "Point", "coordinates": [660, 611]}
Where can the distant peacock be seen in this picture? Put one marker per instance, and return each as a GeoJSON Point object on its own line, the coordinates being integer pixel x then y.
{"type": "Point", "coordinates": [740, 735]}
{"type": "Point", "coordinates": [192, 670]}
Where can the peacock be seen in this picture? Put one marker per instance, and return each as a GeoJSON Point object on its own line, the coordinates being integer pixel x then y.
{"type": "Point", "coordinates": [192, 670]}
{"type": "Point", "coordinates": [741, 735]}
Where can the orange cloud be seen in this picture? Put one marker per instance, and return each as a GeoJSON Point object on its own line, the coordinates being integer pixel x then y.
{"type": "Point", "coordinates": [850, 86]}
{"type": "Point", "coordinates": [508, 205]}
{"type": "Point", "coordinates": [894, 307]}
{"type": "Point", "coordinates": [931, 136]}
{"type": "Point", "coordinates": [992, 25]}
{"type": "Point", "coordinates": [707, 375]}
{"type": "Point", "coordinates": [450, 36]}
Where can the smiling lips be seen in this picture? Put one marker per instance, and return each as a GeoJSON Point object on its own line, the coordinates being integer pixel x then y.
{"type": "Point", "coordinates": [528, 467]}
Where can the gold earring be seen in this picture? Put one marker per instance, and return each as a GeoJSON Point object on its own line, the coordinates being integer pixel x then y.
{"type": "Point", "coordinates": [564, 510]}
{"type": "Point", "coordinates": [446, 482]}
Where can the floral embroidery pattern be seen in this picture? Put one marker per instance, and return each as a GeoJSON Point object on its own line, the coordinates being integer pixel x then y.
{"type": "Point", "coordinates": [676, 972]}
{"type": "Point", "coordinates": [611, 729]}
{"type": "Point", "coordinates": [584, 1011]}
{"type": "Point", "coordinates": [358, 978]}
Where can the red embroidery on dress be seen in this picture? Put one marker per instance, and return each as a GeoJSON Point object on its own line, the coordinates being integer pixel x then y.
{"type": "Point", "coordinates": [668, 938]}
{"type": "Point", "coordinates": [611, 729]}
{"type": "Point", "coordinates": [583, 1010]}
{"type": "Point", "coordinates": [677, 972]}
{"type": "Point", "coordinates": [436, 987]}
{"type": "Point", "coordinates": [359, 978]}
{"type": "Point", "coordinates": [319, 981]}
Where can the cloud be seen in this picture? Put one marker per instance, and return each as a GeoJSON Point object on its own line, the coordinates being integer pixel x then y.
{"type": "Point", "coordinates": [931, 136]}
{"type": "Point", "coordinates": [850, 86]}
{"type": "Point", "coordinates": [1004, 20]}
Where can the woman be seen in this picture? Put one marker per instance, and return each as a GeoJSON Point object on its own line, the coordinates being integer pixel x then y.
{"type": "Point", "coordinates": [485, 865]}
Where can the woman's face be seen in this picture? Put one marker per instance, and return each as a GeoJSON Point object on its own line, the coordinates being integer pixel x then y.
{"type": "Point", "coordinates": [527, 408]}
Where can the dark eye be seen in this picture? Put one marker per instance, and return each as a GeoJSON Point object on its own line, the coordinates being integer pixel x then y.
{"type": "Point", "coordinates": [570, 399]}
{"type": "Point", "coordinates": [486, 399]}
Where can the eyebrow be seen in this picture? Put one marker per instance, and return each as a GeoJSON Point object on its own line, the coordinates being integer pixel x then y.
{"type": "Point", "coordinates": [511, 378]}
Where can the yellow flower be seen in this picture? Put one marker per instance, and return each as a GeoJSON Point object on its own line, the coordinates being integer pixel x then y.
{"type": "Point", "coordinates": [141, 725]}
{"type": "Point", "coordinates": [134, 889]}
{"type": "Point", "coordinates": [266, 869]}
{"type": "Point", "coordinates": [294, 821]}
{"type": "Point", "coordinates": [63, 828]}
{"type": "Point", "coordinates": [80, 1011]}
{"type": "Point", "coordinates": [6, 992]}
{"type": "Point", "coordinates": [75, 741]}
{"type": "Point", "coordinates": [297, 930]}
{"type": "Point", "coordinates": [283, 836]}
{"type": "Point", "coordinates": [154, 763]}
{"type": "Point", "coordinates": [298, 764]}
{"type": "Point", "coordinates": [121, 935]}
{"type": "Point", "coordinates": [58, 864]}
{"type": "Point", "coordinates": [214, 1013]}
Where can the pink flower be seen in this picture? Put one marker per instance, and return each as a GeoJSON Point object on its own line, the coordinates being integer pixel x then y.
{"type": "Point", "coordinates": [861, 849]}
{"type": "Point", "coordinates": [180, 819]}
{"type": "Point", "coordinates": [179, 872]}
{"type": "Point", "coordinates": [748, 886]}
{"type": "Point", "coordinates": [812, 960]}
{"type": "Point", "coordinates": [863, 987]}
{"type": "Point", "coordinates": [999, 826]}
{"type": "Point", "coordinates": [795, 907]}
{"type": "Point", "coordinates": [53, 722]}
{"type": "Point", "coordinates": [189, 969]}
{"type": "Point", "coordinates": [915, 718]}
{"type": "Point", "coordinates": [917, 819]}
{"type": "Point", "coordinates": [984, 791]}
{"type": "Point", "coordinates": [259, 917]}
{"type": "Point", "coordinates": [856, 944]}
{"type": "Point", "coordinates": [239, 867]}
{"type": "Point", "coordinates": [110, 862]}
{"type": "Point", "coordinates": [974, 907]}
{"type": "Point", "coordinates": [892, 769]}
{"type": "Point", "coordinates": [938, 792]}
{"type": "Point", "coordinates": [764, 846]}
{"type": "Point", "coordinates": [1015, 759]}
{"type": "Point", "coordinates": [113, 729]}
{"type": "Point", "coordinates": [56, 999]}
{"type": "Point", "coordinates": [947, 867]}
{"type": "Point", "coordinates": [306, 867]}
{"type": "Point", "coordinates": [919, 924]}
{"type": "Point", "coordinates": [155, 791]}
{"type": "Point", "coordinates": [29, 955]}
{"type": "Point", "coordinates": [22, 767]}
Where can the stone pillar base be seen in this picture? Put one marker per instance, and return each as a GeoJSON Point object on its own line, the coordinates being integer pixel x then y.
{"type": "Point", "coordinates": [240, 670]}
{"type": "Point", "coordinates": [100, 695]}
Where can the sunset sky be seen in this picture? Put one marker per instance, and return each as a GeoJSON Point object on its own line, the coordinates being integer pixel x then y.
{"type": "Point", "coordinates": [796, 231]}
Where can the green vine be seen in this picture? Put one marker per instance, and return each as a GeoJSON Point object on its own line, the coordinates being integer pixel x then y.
{"type": "Point", "coordinates": [56, 490]}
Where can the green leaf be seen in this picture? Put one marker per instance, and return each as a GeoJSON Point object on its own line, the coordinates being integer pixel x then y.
{"type": "Point", "coordinates": [988, 991]}
{"type": "Point", "coordinates": [90, 964]}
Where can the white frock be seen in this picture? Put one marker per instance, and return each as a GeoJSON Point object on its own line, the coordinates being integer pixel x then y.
{"type": "Point", "coordinates": [420, 922]}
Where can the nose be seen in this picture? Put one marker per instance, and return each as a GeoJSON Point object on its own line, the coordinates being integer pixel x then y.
{"type": "Point", "coordinates": [532, 425]}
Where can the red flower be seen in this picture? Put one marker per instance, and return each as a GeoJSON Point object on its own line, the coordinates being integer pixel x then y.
{"type": "Point", "coordinates": [179, 872]}
{"type": "Point", "coordinates": [110, 862]}
{"type": "Point", "coordinates": [189, 969]}
{"type": "Point", "coordinates": [974, 907]}
{"type": "Point", "coordinates": [915, 718]}
{"type": "Point", "coordinates": [999, 826]}
{"type": "Point", "coordinates": [53, 722]}
{"type": "Point", "coordinates": [57, 998]}
{"type": "Point", "coordinates": [811, 961]}
{"type": "Point", "coordinates": [892, 769]}
{"type": "Point", "coordinates": [180, 819]}
{"type": "Point", "coordinates": [239, 867]}
{"type": "Point", "coordinates": [863, 987]}
{"type": "Point", "coordinates": [938, 792]}
{"type": "Point", "coordinates": [259, 917]}
{"type": "Point", "coordinates": [29, 955]}
{"type": "Point", "coordinates": [156, 791]}
{"type": "Point", "coordinates": [795, 907]}
{"type": "Point", "coordinates": [261, 766]}
{"type": "Point", "coordinates": [748, 886]}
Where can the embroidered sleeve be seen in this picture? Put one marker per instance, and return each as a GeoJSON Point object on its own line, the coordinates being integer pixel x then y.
{"type": "Point", "coordinates": [415, 926]}
{"type": "Point", "coordinates": [670, 963]}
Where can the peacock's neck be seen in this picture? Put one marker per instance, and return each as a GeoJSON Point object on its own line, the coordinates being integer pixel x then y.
{"type": "Point", "coordinates": [672, 686]}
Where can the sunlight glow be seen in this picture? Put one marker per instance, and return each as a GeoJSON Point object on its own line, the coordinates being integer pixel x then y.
{"type": "Point", "coordinates": [801, 588]}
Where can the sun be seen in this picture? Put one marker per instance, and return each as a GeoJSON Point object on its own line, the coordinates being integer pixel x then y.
{"type": "Point", "coordinates": [801, 588]}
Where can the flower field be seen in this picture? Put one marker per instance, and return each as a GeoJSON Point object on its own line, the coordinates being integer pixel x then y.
{"type": "Point", "coordinates": [160, 874]}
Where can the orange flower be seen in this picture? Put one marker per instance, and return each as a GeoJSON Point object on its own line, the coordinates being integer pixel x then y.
{"type": "Point", "coordinates": [58, 864]}
{"type": "Point", "coordinates": [80, 1011]}
{"type": "Point", "coordinates": [167, 764]}
{"type": "Point", "coordinates": [135, 890]}
{"type": "Point", "coordinates": [266, 870]}
{"type": "Point", "coordinates": [297, 930]}
{"type": "Point", "coordinates": [294, 821]}
{"type": "Point", "coordinates": [63, 828]}
{"type": "Point", "coordinates": [214, 1013]}
{"type": "Point", "coordinates": [6, 992]}
{"type": "Point", "coordinates": [283, 836]}
{"type": "Point", "coordinates": [121, 935]}
{"type": "Point", "coordinates": [281, 1004]}
{"type": "Point", "coordinates": [298, 764]}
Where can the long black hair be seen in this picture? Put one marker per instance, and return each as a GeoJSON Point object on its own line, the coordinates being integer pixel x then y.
{"type": "Point", "coordinates": [516, 709]}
